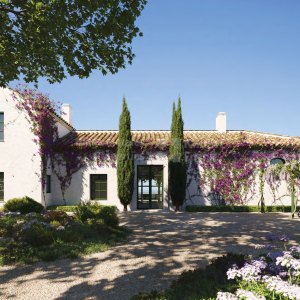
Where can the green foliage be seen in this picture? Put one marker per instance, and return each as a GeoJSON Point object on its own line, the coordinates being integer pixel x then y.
{"type": "Point", "coordinates": [65, 208]}
{"type": "Point", "coordinates": [235, 208]}
{"type": "Point", "coordinates": [28, 239]}
{"type": "Point", "coordinates": [200, 283]}
{"type": "Point", "coordinates": [109, 215]}
{"type": "Point", "coordinates": [177, 163]}
{"type": "Point", "coordinates": [23, 205]}
{"type": "Point", "coordinates": [125, 158]}
{"type": "Point", "coordinates": [86, 211]}
{"type": "Point", "coordinates": [60, 216]}
{"type": "Point", "coordinates": [87, 35]}
{"type": "Point", "coordinates": [89, 210]}
{"type": "Point", "coordinates": [98, 225]}
{"type": "Point", "coordinates": [9, 227]}
{"type": "Point", "coordinates": [38, 235]}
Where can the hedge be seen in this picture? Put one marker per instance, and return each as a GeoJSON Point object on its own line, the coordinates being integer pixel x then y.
{"type": "Point", "coordinates": [235, 208]}
{"type": "Point", "coordinates": [66, 208]}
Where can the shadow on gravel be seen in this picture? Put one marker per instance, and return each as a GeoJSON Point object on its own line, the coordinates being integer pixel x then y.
{"type": "Point", "coordinates": [162, 245]}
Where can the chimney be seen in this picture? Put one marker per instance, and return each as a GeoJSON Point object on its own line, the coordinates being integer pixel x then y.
{"type": "Point", "coordinates": [221, 122]}
{"type": "Point", "coordinates": [67, 113]}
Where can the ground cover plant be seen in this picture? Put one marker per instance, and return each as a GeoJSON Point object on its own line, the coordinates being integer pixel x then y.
{"type": "Point", "coordinates": [31, 237]}
{"type": "Point", "coordinates": [274, 273]}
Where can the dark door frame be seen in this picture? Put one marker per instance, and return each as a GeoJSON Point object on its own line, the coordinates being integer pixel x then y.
{"type": "Point", "coordinates": [150, 186]}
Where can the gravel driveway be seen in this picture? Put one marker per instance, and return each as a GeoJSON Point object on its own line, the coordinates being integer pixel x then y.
{"type": "Point", "coordinates": [162, 245]}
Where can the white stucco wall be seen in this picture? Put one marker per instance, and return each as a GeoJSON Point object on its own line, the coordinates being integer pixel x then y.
{"type": "Point", "coordinates": [79, 189]}
{"type": "Point", "coordinates": [19, 159]}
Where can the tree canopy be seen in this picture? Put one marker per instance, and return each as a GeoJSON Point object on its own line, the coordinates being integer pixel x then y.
{"type": "Point", "coordinates": [54, 38]}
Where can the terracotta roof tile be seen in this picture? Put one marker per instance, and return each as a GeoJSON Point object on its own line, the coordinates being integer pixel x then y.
{"type": "Point", "coordinates": [192, 137]}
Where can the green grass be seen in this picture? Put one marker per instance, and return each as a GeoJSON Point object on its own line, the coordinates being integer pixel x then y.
{"type": "Point", "coordinates": [235, 208]}
{"type": "Point", "coordinates": [200, 283]}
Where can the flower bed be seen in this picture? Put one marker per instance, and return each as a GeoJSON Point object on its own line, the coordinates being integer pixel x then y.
{"type": "Point", "coordinates": [272, 274]}
{"type": "Point", "coordinates": [54, 234]}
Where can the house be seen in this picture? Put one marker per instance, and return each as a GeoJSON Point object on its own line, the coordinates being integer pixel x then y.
{"type": "Point", "coordinates": [20, 162]}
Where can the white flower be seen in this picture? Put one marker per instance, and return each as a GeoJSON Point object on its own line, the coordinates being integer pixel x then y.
{"type": "Point", "coordinates": [277, 285]}
{"type": "Point", "coordinates": [226, 296]}
{"type": "Point", "coordinates": [243, 294]}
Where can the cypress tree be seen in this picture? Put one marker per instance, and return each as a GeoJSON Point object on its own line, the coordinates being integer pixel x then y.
{"type": "Point", "coordinates": [125, 158]}
{"type": "Point", "coordinates": [177, 164]}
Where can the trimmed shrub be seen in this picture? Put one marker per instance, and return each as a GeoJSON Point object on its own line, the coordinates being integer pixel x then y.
{"type": "Point", "coordinates": [235, 208]}
{"type": "Point", "coordinates": [65, 208]}
{"type": "Point", "coordinates": [24, 205]}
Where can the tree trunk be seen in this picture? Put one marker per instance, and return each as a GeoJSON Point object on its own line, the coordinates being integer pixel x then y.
{"type": "Point", "coordinates": [293, 206]}
{"type": "Point", "coordinates": [125, 207]}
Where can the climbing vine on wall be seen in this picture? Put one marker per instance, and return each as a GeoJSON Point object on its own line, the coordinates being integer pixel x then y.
{"type": "Point", "coordinates": [231, 169]}
{"type": "Point", "coordinates": [41, 113]}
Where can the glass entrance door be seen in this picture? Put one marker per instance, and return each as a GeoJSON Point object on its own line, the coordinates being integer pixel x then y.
{"type": "Point", "coordinates": [150, 187]}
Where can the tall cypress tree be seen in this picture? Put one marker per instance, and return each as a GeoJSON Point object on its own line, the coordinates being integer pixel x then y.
{"type": "Point", "coordinates": [125, 158]}
{"type": "Point", "coordinates": [177, 164]}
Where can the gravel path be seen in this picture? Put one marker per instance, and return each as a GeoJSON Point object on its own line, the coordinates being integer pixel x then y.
{"type": "Point", "coordinates": [162, 245]}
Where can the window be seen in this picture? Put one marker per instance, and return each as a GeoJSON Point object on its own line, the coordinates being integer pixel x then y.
{"type": "Point", "coordinates": [1, 186]}
{"type": "Point", "coordinates": [1, 127]}
{"type": "Point", "coordinates": [98, 184]}
{"type": "Point", "coordinates": [48, 184]}
{"type": "Point", "coordinates": [150, 186]}
{"type": "Point", "coordinates": [277, 160]}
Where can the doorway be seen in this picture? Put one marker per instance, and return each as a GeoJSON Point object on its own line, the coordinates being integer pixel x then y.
{"type": "Point", "coordinates": [150, 187]}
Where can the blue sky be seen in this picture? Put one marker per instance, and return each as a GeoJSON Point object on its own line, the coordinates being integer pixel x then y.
{"type": "Point", "coordinates": [237, 56]}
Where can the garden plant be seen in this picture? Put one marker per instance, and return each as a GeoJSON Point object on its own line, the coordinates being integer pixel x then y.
{"type": "Point", "coordinates": [32, 236]}
{"type": "Point", "coordinates": [272, 274]}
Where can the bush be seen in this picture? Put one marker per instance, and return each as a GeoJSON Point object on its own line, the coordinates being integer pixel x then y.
{"type": "Point", "coordinates": [65, 208]}
{"type": "Point", "coordinates": [9, 226]}
{"type": "Point", "coordinates": [109, 215]}
{"type": "Point", "coordinates": [87, 211]}
{"type": "Point", "coordinates": [38, 235]}
{"type": "Point", "coordinates": [24, 205]}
